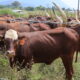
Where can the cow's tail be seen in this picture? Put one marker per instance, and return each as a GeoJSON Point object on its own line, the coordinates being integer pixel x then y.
{"type": "Point", "coordinates": [76, 56]}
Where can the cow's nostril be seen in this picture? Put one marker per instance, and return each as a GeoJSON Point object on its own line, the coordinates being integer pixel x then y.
{"type": "Point", "coordinates": [10, 53]}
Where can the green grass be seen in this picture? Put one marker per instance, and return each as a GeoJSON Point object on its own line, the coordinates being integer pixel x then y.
{"type": "Point", "coordinates": [26, 14]}
{"type": "Point", "coordinates": [36, 12]}
{"type": "Point", "coordinates": [55, 71]}
{"type": "Point", "coordinates": [9, 11]}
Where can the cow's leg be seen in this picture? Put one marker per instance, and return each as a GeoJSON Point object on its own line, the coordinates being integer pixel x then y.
{"type": "Point", "coordinates": [68, 61]}
{"type": "Point", "coordinates": [12, 63]}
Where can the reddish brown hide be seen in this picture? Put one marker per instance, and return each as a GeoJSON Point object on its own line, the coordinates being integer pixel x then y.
{"type": "Point", "coordinates": [45, 47]}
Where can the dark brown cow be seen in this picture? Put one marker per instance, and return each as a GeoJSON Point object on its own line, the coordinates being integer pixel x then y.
{"type": "Point", "coordinates": [42, 47]}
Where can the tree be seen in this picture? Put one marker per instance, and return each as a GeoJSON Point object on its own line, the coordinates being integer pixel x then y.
{"type": "Point", "coordinates": [68, 9]}
{"type": "Point", "coordinates": [16, 4]}
{"type": "Point", "coordinates": [29, 8]}
{"type": "Point", "coordinates": [40, 8]}
{"type": "Point", "coordinates": [2, 6]}
{"type": "Point", "coordinates": [63, 9]}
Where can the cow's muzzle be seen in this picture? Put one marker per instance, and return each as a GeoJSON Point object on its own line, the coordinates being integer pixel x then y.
{"type": "Point", "coordinates": [10, 53]}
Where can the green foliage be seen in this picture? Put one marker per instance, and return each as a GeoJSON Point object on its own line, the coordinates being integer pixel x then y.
{"type": "Point", "coordinates": [29, 8]}
{"type": "Point", "coordinates": [9, 11]}
{"type": "Point", "coordinates": [1, 6]}
{"type": "Point", "coordinates": [40, 8]}
{"type": "Point", "coordinates": [55, 71]}
{"type": "Point", "coordinates": [5, 11]}
{"type": "Point", "coordinates": [34, 13]}
{"type": "Point", "coordinates": [16, 4]}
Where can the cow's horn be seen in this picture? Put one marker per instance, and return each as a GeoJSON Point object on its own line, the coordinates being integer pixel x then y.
{"type": "Point", "coordinates": [59, 18]}
{"type": "Point", "coordinates": [63, 13]}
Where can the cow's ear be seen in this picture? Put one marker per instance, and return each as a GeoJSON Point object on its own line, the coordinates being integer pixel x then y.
{"type": "Point", "coordinates": [22, 41]}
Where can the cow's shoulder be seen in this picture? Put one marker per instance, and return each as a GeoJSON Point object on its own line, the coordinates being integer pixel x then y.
{"type": "Point", "coordinates": [71, 34]}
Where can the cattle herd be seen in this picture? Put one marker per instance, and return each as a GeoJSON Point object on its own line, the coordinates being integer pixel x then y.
{"type": "Point", "coordinates": [40, 40]}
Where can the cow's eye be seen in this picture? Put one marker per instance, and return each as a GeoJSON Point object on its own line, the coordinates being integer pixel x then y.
{"type": "Point", "coordinates": [16, 42]}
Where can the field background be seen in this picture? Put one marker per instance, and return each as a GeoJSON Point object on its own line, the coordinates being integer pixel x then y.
{"type": "Point", "coordinates": [27, 13]}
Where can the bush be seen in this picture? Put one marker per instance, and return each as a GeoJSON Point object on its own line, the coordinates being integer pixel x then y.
{"type": "Point", "coordinates": [9, 11]}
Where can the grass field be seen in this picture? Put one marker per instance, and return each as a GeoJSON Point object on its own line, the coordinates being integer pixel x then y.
{"type": "Point", "coordinates": [55, 71]}
{"type": "Point", "coordinates": [26, 14]}
{"type": "Point", "coordinates": [36, 12]}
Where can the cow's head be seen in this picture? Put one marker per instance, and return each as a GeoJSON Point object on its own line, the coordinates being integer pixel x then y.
{"type": "Point", "coordinates": [11, 38]}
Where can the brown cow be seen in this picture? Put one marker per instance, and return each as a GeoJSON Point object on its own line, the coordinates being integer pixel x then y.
{"type": "Point", "coordinates": [22, 27]}
{"type": "Point", "coordinates": [39, 26]}
{"type": "Point", "coordinates": [42, 47]}
{"type": "Point", "coordinates": [16, 26]}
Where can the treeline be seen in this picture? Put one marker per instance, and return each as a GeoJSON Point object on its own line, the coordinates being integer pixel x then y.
{"type": "Point", "coordinates": [18, 5]}
{"type": "Point", "coordinates": [29, 8]}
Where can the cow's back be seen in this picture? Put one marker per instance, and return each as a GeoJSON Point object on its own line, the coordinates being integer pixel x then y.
{"type": "Point", "coordinates": [47, 46]}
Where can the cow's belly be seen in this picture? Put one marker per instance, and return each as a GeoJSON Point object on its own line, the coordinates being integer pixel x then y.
{"type": "Point", "coordinates": [46, 54]}
{"type": "Point", "coordinates": [46, 48]}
